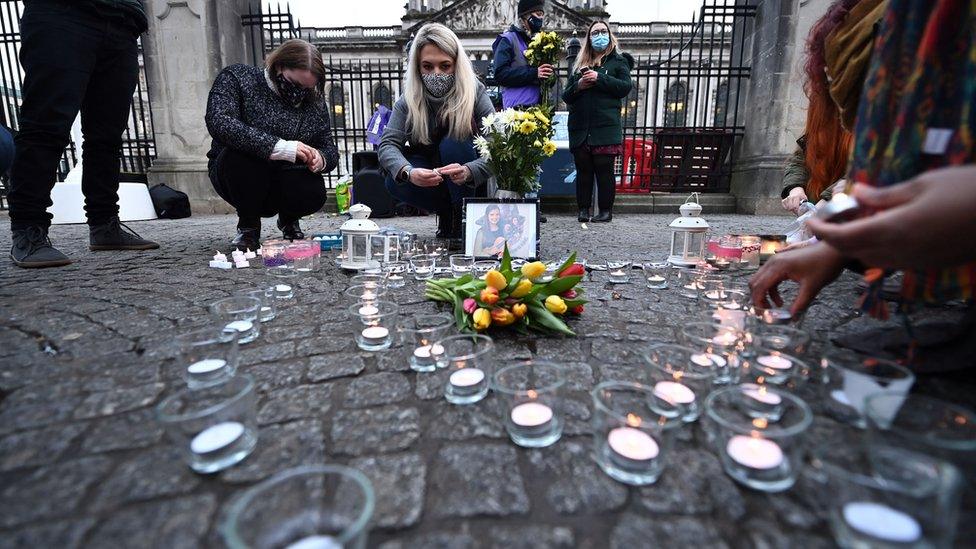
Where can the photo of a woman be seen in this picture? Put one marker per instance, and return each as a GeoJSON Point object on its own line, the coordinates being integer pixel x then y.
{"type": "Point", "coordinates": [490, 240]}
{"type": "Point", "coordinates": [491, 225]}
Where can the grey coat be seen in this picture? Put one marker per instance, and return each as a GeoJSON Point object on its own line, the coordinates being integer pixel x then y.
{"type": "Point", "coordinates": [394, 146]}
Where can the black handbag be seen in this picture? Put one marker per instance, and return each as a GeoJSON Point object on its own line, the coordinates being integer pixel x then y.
{"type": "Point", "coordinates": [168, 202]}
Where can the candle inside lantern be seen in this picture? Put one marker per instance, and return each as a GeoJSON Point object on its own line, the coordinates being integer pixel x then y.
{"type": "Point", "coordinates": [881, 522]}
{"type": "Point", "coordinates": [633, 444]}
{"type": "Point", "coordinates": [315, 542]}
{"type": "Point", "coordinates": [775, 362]}
{"type": "Point", "coordinates": [206, 366]}
{"type": "Point", "coordinates": [674, 392]}
{"type": "Point", "coordinates": [754, 452]}
{"type": "Point", "coordinates": [531, 414]}
{"type": "Point", "coordinates": [216, 437]}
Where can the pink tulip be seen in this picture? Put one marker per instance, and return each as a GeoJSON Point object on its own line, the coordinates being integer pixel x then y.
{"type": "Point", "coordinates": [469, 305]}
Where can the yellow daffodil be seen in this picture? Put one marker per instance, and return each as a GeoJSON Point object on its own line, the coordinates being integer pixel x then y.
{"type": "Point", "coordinates": [528, 127]}
{"type": "Point", "coordinates": [519, 309]}
{"type": "Point", "coordinates": [482, 319]}
{"type": "Point", "coordinates": [496, 280]}
{"type": "Point", "coordinates": [522, 288]}
{"type": "Point", "coordinates": [549, 148]}
{"type": "Point", "coordinates": [555, 304]}
{"type": "Point", "coordinates": [533, 270]}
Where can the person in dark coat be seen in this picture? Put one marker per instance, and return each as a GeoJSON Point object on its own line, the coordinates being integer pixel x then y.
{"type": "Point", "coordinates": [271, 140]}
{"type": "Point", "coordinates": [77, 55]}
{"type": "Point", "coordinates": [599, 82]}
{"type": "Point", "coordinates": [520, 81]}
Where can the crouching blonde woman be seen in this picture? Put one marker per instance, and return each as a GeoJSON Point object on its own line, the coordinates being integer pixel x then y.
{"type": "Point", "coordinates": [427, 149]}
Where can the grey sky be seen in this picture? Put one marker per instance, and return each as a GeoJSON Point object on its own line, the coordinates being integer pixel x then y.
{"type": "Point", "coordinates": [340, 13]}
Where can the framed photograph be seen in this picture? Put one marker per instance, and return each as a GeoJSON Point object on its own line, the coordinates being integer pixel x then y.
{"type": "Point", "coordinates": [491, 222]}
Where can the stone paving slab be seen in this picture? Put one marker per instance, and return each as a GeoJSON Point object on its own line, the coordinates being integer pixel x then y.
{"type": "Point", "coordinates": [86, 353]}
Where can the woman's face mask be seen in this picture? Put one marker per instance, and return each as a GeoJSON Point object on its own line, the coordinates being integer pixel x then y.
{"type": "Point", "coordinates": [535, 23]}
{"type": "Point", "coordinates": [291, 92]}
{"type": "Point", "coordinates": [600, 41]}
{"type": "Point", "coordinates": [438, 84]}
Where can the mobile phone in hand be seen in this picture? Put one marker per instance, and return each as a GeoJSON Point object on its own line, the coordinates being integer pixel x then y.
{"type": "Point", "coordinates": [584, 70]}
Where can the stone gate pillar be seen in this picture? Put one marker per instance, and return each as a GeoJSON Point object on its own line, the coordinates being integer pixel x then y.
{"type": "Point", "coordinates": [188, 42]}
{"type": "Point", "coordinates": [773, 104]}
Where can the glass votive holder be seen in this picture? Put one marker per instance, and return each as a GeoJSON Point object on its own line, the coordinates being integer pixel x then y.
{"type": "Point", "coordinates": [377, 322]}
{"type": "Point", "coordinates": [773, 367]}
{"type": "Point", "coordinates": [758, 452]}
{"type": "Point", "coordinates": [468, 359]}
{"type": "Point", "coordinates": [784, 338]}
{"type": "Point", "coordinates": [531, 393]}
{"type": "Point", "coordinates": [715, 344]}
{"type": "Point", "coordinates": [618, 271]}
{"type": "Point", "coordinates": [774, 315]}
{"type": "Point", "coordinates": [396, 274]}
{"type": "Point", "coordinates": [423, 266]}
{"type": "Point", "coordinates": [461, 264]}
{"type": "Point", "coordinates": [482, 267]}
{"type": "Point", "coordinates": [850, 378]}
{"type": "Point", "coordinates": [885, 496]}
{"type": "Point", "coordinates": [273, 253]}
{"type": "Point", "coordinates": [751, 245]}
{"type": "Point", "coordinates": [419, 335]}
{"type": "Point", "coordinates": [369, 281]}
{"type": "Point", "coordinates": [207, 356]}
{"type": "Point", "coordinates": [269, 305]}
{"type": "Point", "coordinates": [361, 293]}
{"type": "Point", "coordinates": [303, 255]}
{"type": "Point", "coordinates": [311, 507]}
{"type": "Point", "coordinates": [215, 426]}
{"type": "Point", "coordinates": [631, 437]}
{"type": "Point", "coordinates": [656, 275]}
{"type": "Point", "coordinates": [687, 282]}
{"type": "Point", "coordinates": [924, 424]}
{"type": "Point", "coordinates": [680, 379]}
{"type": "Point", "coordinates": [284, 276]}
{"type": "Point", "coordinates": [240, 314]}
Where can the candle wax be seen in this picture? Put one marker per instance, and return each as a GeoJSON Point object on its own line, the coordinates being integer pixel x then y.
{"type": "Point", "coordinates": [724, 339]}
{"type": "Point", "coordinates": [617, 273]}
{"type": "Point", "coordinates": [633, 444]}
{"type": "Point", "coordinates": [881, 522]}
{"type": "Point", "coordinates": [775, 362]}
{"type": "Point", "coordinates": [395, 277]}
{"type": "Point", "coordinates": [531, 414]}
{"type": "Point", "coordinates": [216, 437]}
{"type": "Point", "coordinates": [676, 393]}
{"type": "Point", "coordinates": [240, 325]}
{"type": "Point", "coordinates": [759, 393]}
{"type": "Point", "coordinates": [655, 278]}
{"type": "Point", "coordinates": [282, 288]}
{"type": "Point", "coordinates": [467, 377]}
{"type": "Point", "coordinates": [375, 332]}
{"type": "Point", "coordinates": [755, 453]}
{"type": "Point", "coordinates": [427, 350]}
{"type": "Point", "coordinates": [206, 366]}
{"type": "Point", "coordinates": [315, 542]}
{"type": "Point", "coordinates": [367, 310]}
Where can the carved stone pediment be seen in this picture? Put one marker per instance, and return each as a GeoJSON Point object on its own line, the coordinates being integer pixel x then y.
{"type": "Point", "coordinates": [465, 16]}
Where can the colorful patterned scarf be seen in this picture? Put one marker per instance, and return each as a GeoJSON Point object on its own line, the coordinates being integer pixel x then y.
{"type": "Point", "coordinates": [922, 76]}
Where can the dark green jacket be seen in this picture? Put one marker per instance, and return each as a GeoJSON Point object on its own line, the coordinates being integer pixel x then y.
{"type": "Point", "coordinates": [594, 113]}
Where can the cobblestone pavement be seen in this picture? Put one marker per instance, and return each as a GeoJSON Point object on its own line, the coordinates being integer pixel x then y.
{"type": "Point", "coordinates": [86, 353]}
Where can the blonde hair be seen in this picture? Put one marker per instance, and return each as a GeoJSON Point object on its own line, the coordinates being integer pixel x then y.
{"type": "Point", "coordinates": [588, 57]}
{"type": "Point", "coordinates": [457, 110]}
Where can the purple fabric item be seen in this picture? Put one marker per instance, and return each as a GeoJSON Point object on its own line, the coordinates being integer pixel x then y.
{"type": "Point", "coordinates": [527, 96]}
{"type": "Point", "coordinates": [377, 123]}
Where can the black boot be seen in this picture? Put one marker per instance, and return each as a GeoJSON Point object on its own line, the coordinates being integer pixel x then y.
{"type": "Point", "coordinates": [584, 215]}
{"type": "Point", "coordinates": [290, 230]}
{"type": "Point", "coordinates": [247, 239]}
{"type": "Point", "coordinates": [33, 249]}
{"type": "Point", "coordinates": [605, 216]}
{"type": "Point", "coordinates": [114, 235]}
{"type": "Point", "coordinates": [445, 223]}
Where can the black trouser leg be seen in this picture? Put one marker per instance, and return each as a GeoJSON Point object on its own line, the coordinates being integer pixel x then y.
{"type": "Point", "coordinates": [59, 53]}
{"type": "Point", "coordinates": [606, 188]}
{"type": "Point", "coordinates": [300, 193]}
{"type": "Point", "coordinates": [245, 182]}
{"type": "Point", "coordinates": [104, 116]}
{"type": "Point", "coordinates": [584, 178]}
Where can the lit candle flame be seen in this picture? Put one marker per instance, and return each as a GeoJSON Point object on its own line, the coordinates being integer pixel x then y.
{"type": "Point", "coordinates": [760, 423]}
{"type": "Point", "coordinates": [633, 420]}
{"type": "Point", "coordinates": [532, 394]}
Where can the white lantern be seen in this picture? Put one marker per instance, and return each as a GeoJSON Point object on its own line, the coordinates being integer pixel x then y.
{"type": "Point", "coordinates": [688, 235]}
{"type": "Point", "coordinates": [356, 235]}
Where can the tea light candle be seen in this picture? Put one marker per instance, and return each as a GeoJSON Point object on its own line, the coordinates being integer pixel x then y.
{"type": "Point", "coordinates": [467, 377]}
{"type": "Point", "coordinates": [633, 444]}
{"type": "Point", "coordinates": [216, 437]}
{"type": "Point", "coordinates": [424, 355]}
{"type": "Point", "coordinates": [375, 335]}
{"type": "Point", "coordinates": [394, 277]}
{"type": "Point", "coordinates": [754, 452]}
{"type": "Point", "coordinates": [775, 362]}
{"type": "Point", "coordinates": [655, 279]}
{"type": "Point", "coordinates": [240, 325]}
{"type": "Point", "coordinates": [219, 256]}
{"type": "Point", "coordinates": [725, 339]}
{"type": "Point", "coordinates": [206, 366]}
{"type": "Point", "coordinates": [315, 542]}
{"type": "Point", "coordinates": [674, 392]}
{"type": "Point", "coordinates": [283, 288]}
{"type": "Point", "coordinates": [882, 522]}
{"type": "Point", "coordinates": [423, 270]}
{"type": "Point", "coordinates": [715, 294]}
{"type": "Point", "coordinates": [531, 414]}
{"type": "Point", "coordinates": [760, 394]}
{"type": "Point", "coordinates": [367, 310]}
{"type": "Point", "coordinates": [776, 316]}
{"type": "Point", "coordinates": [708, 359]}
{"type": "Point", "coordinates": [618, 273]}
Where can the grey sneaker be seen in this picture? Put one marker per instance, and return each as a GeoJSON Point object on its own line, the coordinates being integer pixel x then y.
{"type": "Point", "coordinates": [33, 249]}
{"type": "Point", "coordinates": [115, 235]}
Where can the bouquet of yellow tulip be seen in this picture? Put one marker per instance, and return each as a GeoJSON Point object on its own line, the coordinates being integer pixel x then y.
{"type": "Point", "coordinates": [546, 48]}
{"type": "Point", "coordinates": [516, 298]}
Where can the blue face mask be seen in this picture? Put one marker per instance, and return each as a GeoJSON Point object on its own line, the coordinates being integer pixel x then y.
{"type": "Point", "coordinates": [600, 42]}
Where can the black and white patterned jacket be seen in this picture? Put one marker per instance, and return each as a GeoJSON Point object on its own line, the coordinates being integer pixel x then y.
{"type": "Point", "coordinates": [245, 114]}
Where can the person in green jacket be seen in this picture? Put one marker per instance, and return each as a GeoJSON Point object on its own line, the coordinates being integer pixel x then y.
{"type": "Point", "coordinates": [599, 82]}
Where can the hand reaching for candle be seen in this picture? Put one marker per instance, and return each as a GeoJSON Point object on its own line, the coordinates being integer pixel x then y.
{"type": "Point", "coordinates": [812, 267]}
{"type": "Point", "coordinates": [922, 223]}
{"type": "Point", "coordinates": [456, 172]}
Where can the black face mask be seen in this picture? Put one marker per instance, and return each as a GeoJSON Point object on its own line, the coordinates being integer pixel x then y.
{"type": "Point", "coordinates": [535, 23]}
{"type": "Point", "coordinates": [290, 91]}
